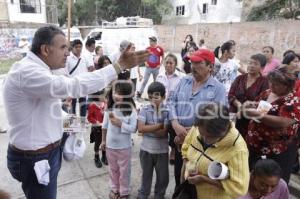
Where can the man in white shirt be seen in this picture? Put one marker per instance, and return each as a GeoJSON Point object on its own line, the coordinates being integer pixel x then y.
{"type": "Point", "coordinates": [88, 53]}
{"type": "Point", "coordinates": [32, 102]}
{"type": "Point", "coordinates": [115, 55]}
{"type": "Point", "coordinates": [77, 64]}
{"type": "Point", "coordinates": [24, 45]}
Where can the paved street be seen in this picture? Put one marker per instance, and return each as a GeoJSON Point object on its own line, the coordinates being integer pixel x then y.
{"type": "Point", "coordinates": [81, 179]}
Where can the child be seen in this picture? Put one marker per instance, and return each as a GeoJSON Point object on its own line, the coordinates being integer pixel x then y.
{"type": "Point", "coordinates": [95, 116]}
{"type": "Point", "coordinates": [152, 124]}
{"type": "Point", "coordinates": [120, 120]}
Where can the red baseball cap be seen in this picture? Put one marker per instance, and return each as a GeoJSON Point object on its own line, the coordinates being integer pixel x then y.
{"type": "Point", "coordinates": [202, 55]}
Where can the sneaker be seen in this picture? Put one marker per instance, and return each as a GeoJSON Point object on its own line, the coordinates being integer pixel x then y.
{"type": "Point", "coordinates": [98, 163]}
{"type": "Point", "coordinates": [104, 160]}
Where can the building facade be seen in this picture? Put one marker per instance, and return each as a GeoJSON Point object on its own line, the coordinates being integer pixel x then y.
{"type": "Point", "coordinates": [204, 11]}
{"type": "Point", "coordinates": [28, 11]}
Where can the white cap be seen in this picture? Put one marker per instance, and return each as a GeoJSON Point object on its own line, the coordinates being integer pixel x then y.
{"type": "Point", "coordinates": [74, 148]}
{"type": "Point", "coordinates": [124, 44]}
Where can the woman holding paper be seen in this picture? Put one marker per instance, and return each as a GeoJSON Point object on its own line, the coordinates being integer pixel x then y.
{"type": "Point", "coordinates": [213, 138]}
{"type": "Point", "coordinates": [274, 132]}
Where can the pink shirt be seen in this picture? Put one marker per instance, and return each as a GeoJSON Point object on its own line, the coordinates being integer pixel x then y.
{"type": "Point", "coordinates": [271, 66]}
{"type": "Point", "coordinates": [281, 192]}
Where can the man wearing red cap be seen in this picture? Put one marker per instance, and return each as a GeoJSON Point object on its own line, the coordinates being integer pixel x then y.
{"type": "Point", "coordinates": [152, 63]}
{"type": "Point", "coordinates": [192, 92]}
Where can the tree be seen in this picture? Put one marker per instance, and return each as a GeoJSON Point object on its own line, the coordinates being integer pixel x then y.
{"type": "Point", "coordinates": [86, 12]}
{"type": "Point", "coordinates": [273, 9]}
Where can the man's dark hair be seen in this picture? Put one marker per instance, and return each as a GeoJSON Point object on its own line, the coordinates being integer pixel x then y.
{"type": "Point", "coordinates": [76, 42]}
{"type": "Point", "coordinates": [156, 88]}
{"type": "Point", "coordinates": [261, 59]}
{"type": "Point", "coordinates": [214, 118]}
{"type": "Point", "coordinates": [266, 167]}
{"type": "Point", "coordinates": [44, 35]}
{"type": "Point", "coordinates": [90, 41]}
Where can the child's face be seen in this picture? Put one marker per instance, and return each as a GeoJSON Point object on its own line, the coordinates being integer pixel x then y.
{"type": "Point", "coordinates": [117, 97]}
{"type": "Point", "coordinates": [156, 99]}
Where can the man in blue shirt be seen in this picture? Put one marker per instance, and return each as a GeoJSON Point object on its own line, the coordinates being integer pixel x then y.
{"type": "Point", "coordinates": [192, 92]}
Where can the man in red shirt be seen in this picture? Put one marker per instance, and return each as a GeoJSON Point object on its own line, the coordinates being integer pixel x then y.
{"type": "Point", "coordinates": [153, 63]}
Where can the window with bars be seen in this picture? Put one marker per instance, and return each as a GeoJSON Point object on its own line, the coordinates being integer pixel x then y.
{"type": "Point", "coordinates": [205, 8]}
{"type": "Point", "coordinates": [30, 6]}
{"type": "Point", "coordinates": [214, 2]}
{"type": "Point", "coordinates": [180, 10]}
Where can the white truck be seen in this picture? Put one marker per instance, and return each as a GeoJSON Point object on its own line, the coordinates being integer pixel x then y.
{"type": "Point", "coordinates": [110, 38]}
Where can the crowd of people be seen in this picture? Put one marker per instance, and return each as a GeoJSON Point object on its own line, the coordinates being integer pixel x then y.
{"type": "Point", "coordinates": [211, 109]}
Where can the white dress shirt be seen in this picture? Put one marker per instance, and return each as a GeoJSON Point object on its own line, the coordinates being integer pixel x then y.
{"type": "Point", "coordinates": [32, 96]}
{"type": "Point", "coordinates": [89, 57]}
{"type": "Point", "coordinates": [170, 81]}
{"type": "Point", "coordinates": [72, 61]}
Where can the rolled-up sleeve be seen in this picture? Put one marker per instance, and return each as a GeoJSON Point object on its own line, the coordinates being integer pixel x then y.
{"type": "Point", "coordinates": [142, 115]}
{"type": "Point", "coordinates": [43, 84]}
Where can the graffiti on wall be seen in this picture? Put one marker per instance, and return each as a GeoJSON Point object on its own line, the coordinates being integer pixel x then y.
{"type": "Point", "coordinates": [9, 39]}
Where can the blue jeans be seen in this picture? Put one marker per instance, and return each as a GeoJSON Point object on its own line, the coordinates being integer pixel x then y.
{"type": "Point", "coordinates": [148, 72]}
{"type": "Point", "coordinates": [21, 167]}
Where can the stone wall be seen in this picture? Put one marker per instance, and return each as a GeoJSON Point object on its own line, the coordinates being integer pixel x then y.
{"type": "Point", "coordinates": [249, 36]}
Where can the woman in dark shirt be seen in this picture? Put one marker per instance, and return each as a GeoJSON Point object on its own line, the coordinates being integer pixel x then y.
{"type": "Point", "coordinates": [246, 88]}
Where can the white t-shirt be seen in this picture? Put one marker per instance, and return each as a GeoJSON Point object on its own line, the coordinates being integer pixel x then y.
{"type": "Point", "coordinates": [134, 72]}
{"type": "Point", "coordinates": [227, 73]}
{"type": "Point", "coordinates": [24, 46]}
{"type": "Point", "coordinates": [71, 63]}
{"type": "Point", "coordinates": [89, 57]}
{"type": "Point", "coordinates": [114, 56]}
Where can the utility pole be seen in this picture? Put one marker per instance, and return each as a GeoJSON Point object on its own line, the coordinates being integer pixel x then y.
{"type": "Point", "coordinates": [69, 19]}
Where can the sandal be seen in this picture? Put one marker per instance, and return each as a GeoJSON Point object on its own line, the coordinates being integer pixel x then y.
{"type": "Point", "coordinates": [113, 195]}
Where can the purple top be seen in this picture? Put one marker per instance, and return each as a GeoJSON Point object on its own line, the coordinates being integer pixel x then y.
{"type": "Point", "coordinates": [281, 192]}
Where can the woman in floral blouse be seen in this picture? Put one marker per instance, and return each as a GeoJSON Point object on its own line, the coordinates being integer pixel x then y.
{"type": "Point", "coordinates": [246, 88]}
{"type": "Point", "coordinates": [274, 134]}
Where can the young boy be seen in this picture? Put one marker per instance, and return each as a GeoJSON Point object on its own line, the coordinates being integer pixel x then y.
{"type": "Point", "coordinates": [95, 116]}
{"type": "Point", "coordinates": [152, 124]}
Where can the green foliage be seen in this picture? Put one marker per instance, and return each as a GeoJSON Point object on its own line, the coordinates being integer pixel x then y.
{"type": "Point", "coordinates": [6, 64]}
{"type": "Point", "coordinates": [273, 9]}
{"type": "Point", "coordinates": [85, 12]}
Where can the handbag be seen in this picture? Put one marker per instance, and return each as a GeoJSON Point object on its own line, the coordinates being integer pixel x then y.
{"type": "Point", "coordinates": [185, 191]}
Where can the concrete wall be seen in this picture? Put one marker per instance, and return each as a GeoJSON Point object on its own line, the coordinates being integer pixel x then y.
{"type": "Point", "coordinates": [249, 36]}
{"type": "Point", "coordinates": [9, 39]}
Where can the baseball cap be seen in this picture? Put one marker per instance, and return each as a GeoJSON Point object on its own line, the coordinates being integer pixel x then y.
{"type": "Point", "coordinates": [153, 38]}
{"type": "Point", "coordinates": [202, 55]}
{"type": "Point", "coordinates": [74, 148]}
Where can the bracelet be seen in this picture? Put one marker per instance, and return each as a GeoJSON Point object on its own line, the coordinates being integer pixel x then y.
{"type": "Point", "coordinates": [117, 67]}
